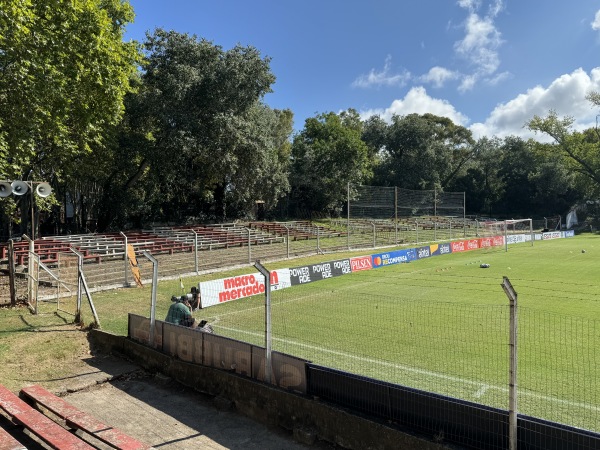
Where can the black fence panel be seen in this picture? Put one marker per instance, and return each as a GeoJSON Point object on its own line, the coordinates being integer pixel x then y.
{"type": "Point", "coordinates": [441, 418]}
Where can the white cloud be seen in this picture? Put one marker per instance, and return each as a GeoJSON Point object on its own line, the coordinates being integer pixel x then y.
{"type": "Point", "coordinates": [418, 101]}
{"type": "Point", "coordinates": [438, 76]}
{"type": "Point", "coordinates": [481, 42]}
{"type": "Point", "coordinates": [471, 5]}
{"type": "Point", "coordinates": [596, 22]}
{"type": "Point", "coordinates": [565, 95]}
{"type": "Point", "coordinates": [383, 78]}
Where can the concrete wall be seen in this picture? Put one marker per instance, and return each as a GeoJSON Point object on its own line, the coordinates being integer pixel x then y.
{"type": "Point", "coordinates": [306, 417]}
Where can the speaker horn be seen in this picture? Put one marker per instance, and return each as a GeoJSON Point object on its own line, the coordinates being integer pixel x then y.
{"type": "Point", "coordinates": [19, 187]}
{"type": "Point", "coordinates": [5, 189]}
{"type": "Point", "coordinates": [43, 190]}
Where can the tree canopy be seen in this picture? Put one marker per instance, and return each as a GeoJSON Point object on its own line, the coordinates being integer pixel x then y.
{"type": "Point", "coordinates": [177, 129]}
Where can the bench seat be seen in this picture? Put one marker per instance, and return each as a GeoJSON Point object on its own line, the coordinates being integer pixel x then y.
{"type": "Point", "coordinates": [80, 420]}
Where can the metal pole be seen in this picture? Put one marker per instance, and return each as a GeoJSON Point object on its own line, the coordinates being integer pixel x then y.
{"type": "Point", "coordinates": [374, 235]}
{"type": "Point", "coordinates": [512, 382]}
{"type": "Point", "coordinates": [79, 284]}
{"type": "Point", "coordinates": [249, 247]}
{"type": "Point", "coordinates": [348, 220]}
{"type": "Point", "coordinates": [125, 259]}
{"type": "Point", "coordinates": [287, 240]}
{"type": "Point", "coordinates": [195, 251]}
{"type": "Point", "coordinates": [268, 338]}
{"type": "Point", "coordinates": [417, 230]}
{"type": "Point", "coordinates": [153, 299]}
{"type": "Point", "coordinates": [464, 214]}
{"type": "Point", "coordinates": [318, 241]}
{"type": "Point", "coordinates": [30, 273]}
{"type": "Point", "coordinates": [11, 272]}
{"type": "Point", "coordinates": [531, 231]}
{"type": "Point", "coordinates": [396, 214]}
{"type": "Point", "coordinates": [505, 236]}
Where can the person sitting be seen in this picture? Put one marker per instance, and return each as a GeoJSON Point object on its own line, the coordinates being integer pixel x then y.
{"type": "Point", "coordinates": [180, 313]}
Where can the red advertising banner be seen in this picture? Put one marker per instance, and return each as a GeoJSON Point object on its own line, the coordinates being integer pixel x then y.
{"type": "Point", "coordinates": [493, 241]}
{"type": "Point", "coordinates": [463, 246]}
{"type": "Point", "coordinates": [361, 263]}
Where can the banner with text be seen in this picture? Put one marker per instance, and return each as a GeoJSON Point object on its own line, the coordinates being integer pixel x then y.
{"type": "Point", "coordinates": [241, 286]}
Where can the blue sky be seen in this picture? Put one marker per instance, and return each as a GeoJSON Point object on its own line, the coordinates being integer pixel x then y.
{"type": "Point", "coordinates": [489, 65]}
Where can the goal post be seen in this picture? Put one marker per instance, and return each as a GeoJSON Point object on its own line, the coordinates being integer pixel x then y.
{"type": "Point", "coordinates": [514, 230]}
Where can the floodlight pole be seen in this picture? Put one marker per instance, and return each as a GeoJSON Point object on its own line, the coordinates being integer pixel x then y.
{"type": "Point", "coordinates": [268, 338]}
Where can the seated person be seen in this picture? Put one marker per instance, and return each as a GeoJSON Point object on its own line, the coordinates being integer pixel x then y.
{"type": "Point", "coordinates": [180, 313]}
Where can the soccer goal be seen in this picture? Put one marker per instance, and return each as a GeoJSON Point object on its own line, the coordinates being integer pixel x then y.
{"type": "Point", "coordinates": [515, 231]}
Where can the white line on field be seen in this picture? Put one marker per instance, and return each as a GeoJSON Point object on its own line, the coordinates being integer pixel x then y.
{"type": "Point", "coordinates": [483, 388]}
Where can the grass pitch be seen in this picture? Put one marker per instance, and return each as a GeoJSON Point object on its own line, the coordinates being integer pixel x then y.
{"type": "Point", "coordinates": [437, 324]}
{"type": "Point", "coordinates": [442, 324]}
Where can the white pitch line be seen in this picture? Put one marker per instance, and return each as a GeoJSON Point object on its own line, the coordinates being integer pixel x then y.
{"type": "Point", "coordinates": [480, 392]}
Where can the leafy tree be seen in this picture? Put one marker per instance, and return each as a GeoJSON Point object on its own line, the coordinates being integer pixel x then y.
{"type": "Point", "coordinates": [64, 71]}
{"type": "Point", "coordinates": [419, 151]}
{"type": "Point", "coordinates": [200, 142]}
{"type": "Point", "coordinates": [481, 180]}
{"type": "Point", "coordinates": [582, 149]}
{"type": "Point", "coordinates": [327, 155]}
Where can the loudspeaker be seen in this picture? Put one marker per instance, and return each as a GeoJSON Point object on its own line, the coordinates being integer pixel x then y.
{"type": "Point", "coordinates": [5, 189]}
{"type": "Point", "coordinates": [43, 190]}
{"type": "Point", "coordinates": [19, 187]}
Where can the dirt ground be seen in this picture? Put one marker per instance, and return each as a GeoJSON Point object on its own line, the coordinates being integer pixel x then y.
{"type": "Point", "coordinates": [161, 412]}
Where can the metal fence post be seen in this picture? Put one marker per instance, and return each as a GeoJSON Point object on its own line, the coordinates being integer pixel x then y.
{"type": "Point", "coordinates": [374, 235]}
{"type": "Point", "coordinates": [268, 338]}
{"type": "Point", "coordinates": [125, 259]}
{"type": "Point", "coordinates": [512, 382]}
{"type": "Point", "coordinates": [195, 251]}
{"type": "Point", "coordinates": [287, 240]}
{"type": "Point", "coordinates": [249, 245]}
{"type": "Point", "coordinates": [153, 298]}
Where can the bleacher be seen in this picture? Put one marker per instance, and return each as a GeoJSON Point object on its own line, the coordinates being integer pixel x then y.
{"type": "Point", "coordinates": [298, 230]}
{"type": "Point", "coordinates": [56, 423]}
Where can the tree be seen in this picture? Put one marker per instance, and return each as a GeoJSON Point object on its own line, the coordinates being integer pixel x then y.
{"type": "Point", "coordinates": [64, 71]}
{"type": "Point", "coordinates": [419, 151]}
{"type": "Point", "coordinates": [583, 149]}
{"type": "Point", "coordinates": [327, 155]}
{"type": "Point", "coordinates": [199, 139]}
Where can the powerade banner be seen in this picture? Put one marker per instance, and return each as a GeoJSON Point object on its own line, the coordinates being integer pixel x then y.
{"type": "Point", "coordinates": [242, 286]}
{"type": "Point", "coordinates": [396, 257]}
{"type": "Point", "coordinates": [569, 233]}
{"type": "Point", "coordinates": [321, 271]}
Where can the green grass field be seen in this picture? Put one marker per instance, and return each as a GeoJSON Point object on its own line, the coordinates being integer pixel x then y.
{"type": "Point", "coordinates": [442, 324]}
{"type": "Point", "coordinates": [438, 324]}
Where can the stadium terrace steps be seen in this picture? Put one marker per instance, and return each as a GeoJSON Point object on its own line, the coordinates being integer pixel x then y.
{"type": "Point", "coordinates": [79, 420]}
{"type": "Point", "coordinates": [48, 431]}
{"type": "Point", "coordinates": [20, 411]}
{"type": "Point", "coordinates": [7, 442]}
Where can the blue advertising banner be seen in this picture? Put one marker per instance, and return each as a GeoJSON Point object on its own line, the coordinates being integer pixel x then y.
{"type": "Point", "coordinates": [423, 252]}
{"type": "Point", "coordinates": [440, 249]}
{"type": "Point", "coordinates": [395, 257]}
{"type": "Point", "coordinates": [570, 233]}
